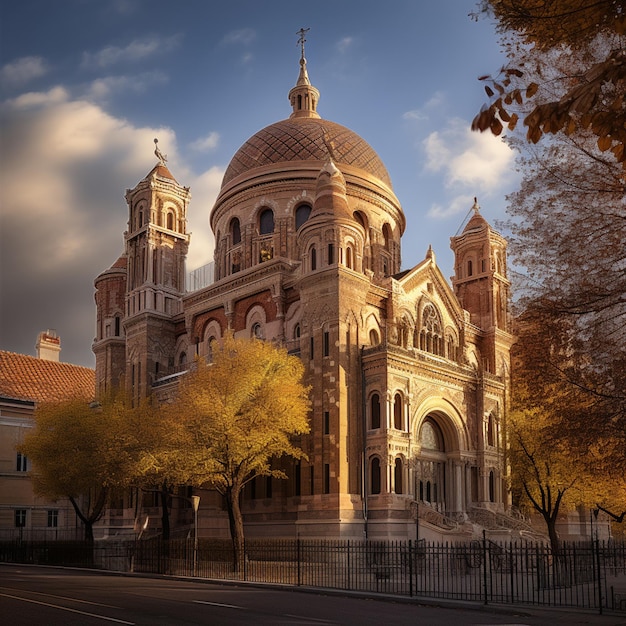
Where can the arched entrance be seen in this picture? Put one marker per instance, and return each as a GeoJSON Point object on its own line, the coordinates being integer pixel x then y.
{"type": "Point", "coordinates": [436, 483]}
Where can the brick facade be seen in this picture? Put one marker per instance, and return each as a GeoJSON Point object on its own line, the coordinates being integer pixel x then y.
{"type": "Point", "coordinates": [408, 374]}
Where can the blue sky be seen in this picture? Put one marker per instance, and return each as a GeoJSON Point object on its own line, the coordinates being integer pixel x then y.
{"type": "Point", "coordinates": [85, 87]}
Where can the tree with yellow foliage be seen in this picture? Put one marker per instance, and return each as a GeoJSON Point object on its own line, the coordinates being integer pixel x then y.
{"type": "Point", "coordinates": [559, 458]}
{"type": "Point", "coordinates": [149, 437]}
{"type": "Point", "coordinates": [79, 452]}
{"type": "Point", "coordinates": [231, 418]}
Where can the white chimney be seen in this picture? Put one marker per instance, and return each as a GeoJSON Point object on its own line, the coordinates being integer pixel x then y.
{"type": "Point", "coordinates": [48, 345]}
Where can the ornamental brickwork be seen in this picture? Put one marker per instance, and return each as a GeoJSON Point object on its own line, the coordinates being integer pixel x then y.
{"type": "Point", "coordinates": [408, 374]}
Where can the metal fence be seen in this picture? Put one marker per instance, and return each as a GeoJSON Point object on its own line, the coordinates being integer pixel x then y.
{"type": "Point", "coordinates": [588, 575]}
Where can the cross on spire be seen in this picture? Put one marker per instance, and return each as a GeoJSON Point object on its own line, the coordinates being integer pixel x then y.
{"type": "Point", "coordinates": [301, 39]}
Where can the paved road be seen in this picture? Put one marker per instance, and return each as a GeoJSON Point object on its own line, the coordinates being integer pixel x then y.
{"type": "Point", "coordinates": [54, 596]}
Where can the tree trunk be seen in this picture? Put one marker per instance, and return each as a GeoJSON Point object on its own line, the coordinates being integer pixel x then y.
{"type": "Point", "coordinates": [89, 538]}
{"type": "Point", "coordinates": [89, 518]}
{"type": "Point", "coordinates": [87, 523]}
{"type": "Point", "coordinates": [553, 535]}
{"type": "Point", "coordinates": [236, 526]}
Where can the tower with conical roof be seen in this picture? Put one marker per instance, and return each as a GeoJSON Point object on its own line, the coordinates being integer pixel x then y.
{"type": "Point", "coordinates": [480, 283]}
{"type": "Point", "coordinates": [140, 295]}
{"type": "Point", "coordinates": [156, 248]}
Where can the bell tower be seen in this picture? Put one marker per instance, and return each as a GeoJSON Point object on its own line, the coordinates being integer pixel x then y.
{"type": "Point", "coordinates": [480, 282]}
{"type": "Point", "coordinates": [156, 249]}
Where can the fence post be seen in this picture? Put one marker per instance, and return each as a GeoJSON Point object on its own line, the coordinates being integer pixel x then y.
{"type": "Point", "coordinates": [410, 569]}
{"type": "Point", "coordinates": [485, 557]}
{"type": "Point", "coordinates": [245, 560]}
{"type": "Point", "coordinates": [512, 568]}
{"type": "Point", "coordinates": [298, 560]}
{"type": "Point", "coordinates": [596, 543]}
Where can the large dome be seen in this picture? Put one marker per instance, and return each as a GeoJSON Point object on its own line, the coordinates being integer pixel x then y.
{"type": "Point", "coordinates": [305, 139]}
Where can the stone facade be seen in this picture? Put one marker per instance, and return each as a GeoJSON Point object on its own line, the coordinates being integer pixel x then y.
{"type": "Point", "coordinates": [409, 375]}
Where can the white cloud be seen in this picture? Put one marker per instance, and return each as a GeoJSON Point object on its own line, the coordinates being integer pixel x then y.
{"type": "Point", "coordinates": [458, 205]}
{"type": "Point", "coordinates": [423, 113]}
{"type": "Point", "coordinates": [206, 144]}
{"type": "Point", "coordinates": [22, 71]}
{"type": "Point", "coordinates": [204, 190]}
{"type": "Point", "coordinates": [64, 183]}
{"type": "Point", "coordinates": [415, 114]}
{"type": "Point", "coordinates": [470, 164]}
{"type": "Point", "coordinates": [243, 36]}
{"type": "Point", "coordinates": [70, 164]}
{"type": "Point", "coordinates": [37, 99]}
{"type": "Point", "coordinates": [344, 43]}
{"type": "Point", "coordinates": [101, 88]}
{"type": "Point", "coordinates": [135, 51]}
{"type": "Point", "coordinates": [468, 158]}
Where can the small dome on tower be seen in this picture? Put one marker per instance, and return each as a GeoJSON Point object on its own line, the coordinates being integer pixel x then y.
{"type": "Point", "coordinates": [477, 221]}
{"type": "Point", "coordinates": [330, 193]}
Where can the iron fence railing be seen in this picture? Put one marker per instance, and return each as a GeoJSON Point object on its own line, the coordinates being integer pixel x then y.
{"type": "Point", "coordinates": [588, 575]}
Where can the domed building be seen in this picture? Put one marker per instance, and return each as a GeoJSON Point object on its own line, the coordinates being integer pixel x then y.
{"type": "Point", "coordinates": [408, 374]}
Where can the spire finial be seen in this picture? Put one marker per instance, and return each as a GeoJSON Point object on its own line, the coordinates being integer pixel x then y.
{"type": "Point", "coordinates": [303, 96]}
{"type": "Point", "coordinates": [476, 206]}
{"type": "Point", "coordinates": [159, 155]}
{"type": "Point", "coordinates": [301, 40]}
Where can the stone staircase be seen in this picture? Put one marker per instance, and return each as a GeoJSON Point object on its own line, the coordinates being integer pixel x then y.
{"type": "Point", "coordinates": [511, 522]}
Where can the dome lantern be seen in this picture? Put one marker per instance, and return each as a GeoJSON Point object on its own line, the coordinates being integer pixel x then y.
{"type": "Point", "coordinates": [304, 97]}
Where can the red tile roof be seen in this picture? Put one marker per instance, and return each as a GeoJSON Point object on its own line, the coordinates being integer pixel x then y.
{"type": "Point", "coordinates": [24, 377]}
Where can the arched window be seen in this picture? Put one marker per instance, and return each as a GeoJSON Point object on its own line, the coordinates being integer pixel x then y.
{"type": "Point", "coordinates": [387, 236]}
{"type": "Point", "coordinates": [257, 331]}
{"type": "Point", "coordinates": [117, 325]}
{"type": "Point", "coordinates": [349, 258]}
{"type": "Point", "coordinates": [170, 221]}
{"type": "Point", "coordinates": [374, 339]}
{"type": "Point", "coordinates": [182, 359]}
{"type": "Point", "coordinates": [397, 476]}
{"type": "Point", "coordinates": [235, 231]}
{"type": "Point", "coordinates": [492, 487]}
{"type": "Point", "coordinates": [296, 332]}
{"type": "Point", "coordinates": [490, 432]}
{"type": "Point", "coordinates": [431, 339]}
{"type": "Point", "coordinates": [375, 475]}
{"type": "Point", "coordinates": [397, 412]}
{"type": "Point", "coordinates": [313, 253]}
{"type": "Point", "coordinates": [302, 214]}
{"type": "Point", "coordinates": [266, 222]}
{"type": "Point", "coordinates": [209, 348]}
{"type": "Point", "coordinates": [452, 349]}
{"type": "Point", "coordinates": [470, 268]}
{"type": "Point", "coordinates": [375, 411]}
